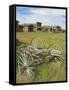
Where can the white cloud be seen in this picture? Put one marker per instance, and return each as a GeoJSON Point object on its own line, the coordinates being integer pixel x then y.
{"type": "Point", "coordinates": [47, 11]}
{"type": "Point", "coordinates": [31, 18]}
{"type": "Point", "coordinates": [46, 16]}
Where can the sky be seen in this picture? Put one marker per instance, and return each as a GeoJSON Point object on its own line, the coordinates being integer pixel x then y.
{"type": "Point", "coordinates": [48, 16]}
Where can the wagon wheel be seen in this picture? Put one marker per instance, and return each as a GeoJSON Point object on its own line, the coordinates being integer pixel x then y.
{"type": "Point", "coordinates": [56, 55]}
{"type": "Point", "coordinates": [24, 66]}
{"type": "Point", "coordinates": [37, 43]}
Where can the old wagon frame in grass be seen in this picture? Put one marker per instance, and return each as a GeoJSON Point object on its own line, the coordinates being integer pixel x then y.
{"type": "Point", "coordinates": [37, 51]}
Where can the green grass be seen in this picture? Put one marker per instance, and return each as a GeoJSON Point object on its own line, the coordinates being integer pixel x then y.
{"type": "Point", "coordinates": [27, 36]}
{"type": "Point", "coordinates": [54, 71]}
{"type": "Point", "coordinates": [54, 40]}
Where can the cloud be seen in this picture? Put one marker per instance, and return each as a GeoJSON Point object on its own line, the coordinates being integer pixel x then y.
{"type": "Point", "coordinates": [45, 15]}
{"type": "Point", "coordinates": [47, 11]}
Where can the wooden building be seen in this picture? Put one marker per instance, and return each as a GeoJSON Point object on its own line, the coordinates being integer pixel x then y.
{"type": "Point", "coordinates": [37, 27]}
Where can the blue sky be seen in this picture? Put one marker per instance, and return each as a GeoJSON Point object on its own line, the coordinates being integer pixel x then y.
{"type": "Point", "coordinates": [47, 16]}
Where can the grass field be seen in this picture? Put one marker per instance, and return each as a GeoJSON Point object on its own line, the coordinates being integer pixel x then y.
{"type": "Point", "coordinates": [54, 71]}
{"type": "Point", "coordinates": [55, 40]}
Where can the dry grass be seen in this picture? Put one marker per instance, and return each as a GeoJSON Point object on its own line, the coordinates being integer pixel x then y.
{"type": "Point", "coordinates": [54, 71]}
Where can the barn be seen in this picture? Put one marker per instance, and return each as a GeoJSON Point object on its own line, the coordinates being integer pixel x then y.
{"type": "Point", "coordinates": [33, 27]}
